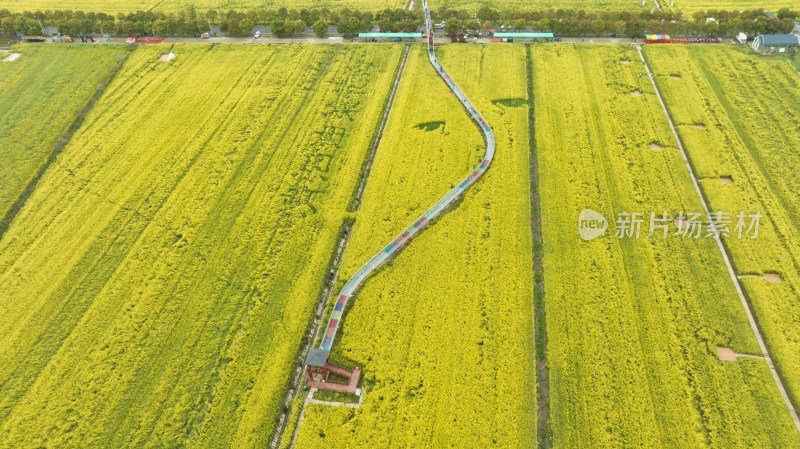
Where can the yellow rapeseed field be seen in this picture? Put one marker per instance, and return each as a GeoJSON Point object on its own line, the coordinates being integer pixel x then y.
{"type": "Point", "coordinates": [445, 331]}
{"type": "Point", "coordinates": [738, 116]}
{"type": "Point", "coordinates": [156, 286]}
{"type": "Point", "coordinates": [633, 324]}
{"type": "Point", "coordinates": [41, 94]}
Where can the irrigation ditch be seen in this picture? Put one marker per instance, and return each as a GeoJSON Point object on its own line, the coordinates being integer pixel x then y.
{"type": "Point", "coordinates": [332, 276]}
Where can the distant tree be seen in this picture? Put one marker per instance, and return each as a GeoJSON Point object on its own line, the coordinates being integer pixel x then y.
{"type": "Point", "coordinates": [86, 26]}
{"type": "Point", "coordinates": [320, 27]}
{"type": "Point", "coordinates": [599, 27]}
{"type": "Point", "coordinates": [634, 28]}
{"type": "Point", "coordinates": [233, 27]}
{"type": "Point", "coordinates": [520, 25]}
{"type": "Point", "coordinates": [108, 26]}
{"type": "Point", "coordinates": [160, 27]}
{"type": "Point", "coordinates": [349, 26]}
{"type": "Point", "coordinates": [278, 27]}
{"type": "Point", "coordinates": [203, 26]}
{"type": "Point", "coordinates": [7, 25]}
{"type": "Point", "coordinates": [486, 13]}
{"type": "Point", "coordinates": [452, 26]}
{"type": "Point", "coordinates": [128, 28]}
{"type": "Point", "coordinates": [245, 27]}
{"type": "Point", "coordinates": [620, 27]}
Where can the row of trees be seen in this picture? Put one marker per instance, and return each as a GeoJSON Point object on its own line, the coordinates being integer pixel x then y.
{"type": "Point", "coordinates": [283, 22]}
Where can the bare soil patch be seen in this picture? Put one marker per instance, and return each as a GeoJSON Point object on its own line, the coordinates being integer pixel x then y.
{"type": "Point", "coordinates": [166, 57]}
{"type": "Point", "coordinates": [726, 180]}
{"type": "Point", "coordinates": [655, 146]}
{"type": "Point", "coordinates": [636, 92]}
{"type": "Point", "coordinates": [726, 354]}
{"type": "Point", "coordinates": [11, 57]}
{"type": "Point", "coordinates": [674, 77]}
{"type": "Point", "coordinates": [699, 126]}
{"type": "Point", "coordinates": [680, 223]}
{"type": "Point", "coordinates": [772, 277]}
{"type": "Point", "coordinates": [625, 61]}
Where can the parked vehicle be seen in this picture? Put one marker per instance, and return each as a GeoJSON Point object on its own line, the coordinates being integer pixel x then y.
{"type": "Point", "coordinates": [257, 35]}
{"type": "Point", "coordinates": [204, 36]}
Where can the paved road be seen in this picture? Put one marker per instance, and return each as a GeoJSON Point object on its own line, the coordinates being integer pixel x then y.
{"type": "Point", "coordinates": [396, 245]}
{"type": "Point", "coordinates": [439, 39]}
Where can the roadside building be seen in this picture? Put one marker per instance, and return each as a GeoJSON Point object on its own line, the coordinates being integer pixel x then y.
{"type": "Point", "coordinates": [775, 42]}
{"type": "Point", "coordinates": [524, 37]}
{"type": "Point", "coordinates": [796, 30]}
{"type": "Point", "coordinates": [389, 37]}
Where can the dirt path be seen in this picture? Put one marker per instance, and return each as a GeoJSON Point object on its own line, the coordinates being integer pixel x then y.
{"type": "Point", "coordinates": [310, 400]}
{"type": "Point", "coordinates": [724, 252]}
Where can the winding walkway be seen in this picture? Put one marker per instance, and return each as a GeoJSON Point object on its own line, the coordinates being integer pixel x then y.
{"type": "Point", "coordinates": [396, 245]}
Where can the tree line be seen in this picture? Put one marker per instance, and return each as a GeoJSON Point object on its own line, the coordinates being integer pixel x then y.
{"type": "Point", "coordinates": [285, 22]}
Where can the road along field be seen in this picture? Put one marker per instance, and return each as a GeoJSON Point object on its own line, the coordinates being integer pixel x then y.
{"type": "Point", "coordinates": [41, 93]}
{"type": "Point", "coordinates": [633, 324]}
{"type": "Point", "coordinates": [730, 5]}
{"type": "Point", "coordinates": [158, 282]}
{"type": "Point", "coordinates": [614, 5]}
{"type": "Point", "coordinates": [737, 115]}
{"type": "Point", "coordinates": [444, 332]}
{"type": "Point", "coordinates": [539, 5]}
{"type": "Point", "coordinates": [128, 6]}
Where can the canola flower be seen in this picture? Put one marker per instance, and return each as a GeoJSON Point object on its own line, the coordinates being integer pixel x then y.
{"type": "Point", "coordinates": [633, 325]}
{"type": "Point", "coordinates": [737, 115]}
{"type": "Point", "coordinates": [159, 281]}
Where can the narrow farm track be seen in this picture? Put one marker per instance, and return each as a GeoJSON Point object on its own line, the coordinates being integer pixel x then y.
{"type": "Point", "coordinates": [725, 255]}
{"type": "Point", "coordinates": [397, 245]}
{"type": "Point", "coordinates": [344, 238]}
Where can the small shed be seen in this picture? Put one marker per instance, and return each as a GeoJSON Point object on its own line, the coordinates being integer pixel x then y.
{"type": "Point", "coordinates": [525, 37]}
{"type": "Point", "coordinates": [389, 37]}
{"type": "Point", "coordinates": [316, 361]}
{"type": "Point", "coordinates": [775, 42]}
{"type": "Point", "coordinates": [656, 38]}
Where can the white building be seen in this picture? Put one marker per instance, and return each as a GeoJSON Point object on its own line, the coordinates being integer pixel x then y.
{"type": "Point", "coordinates": [775, 42]}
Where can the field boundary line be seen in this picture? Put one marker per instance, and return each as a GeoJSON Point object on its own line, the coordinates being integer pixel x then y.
{"type": "Point", "coordinates": [723, 250]}
{"type": "Point", "coordinates": [539, 314]}
{"type": "Point", "coordinates": [315, 326]}
{"type": "Point", "coordinates": [355, 203]}
{"type": "Point", "coordinates": [62, 140]}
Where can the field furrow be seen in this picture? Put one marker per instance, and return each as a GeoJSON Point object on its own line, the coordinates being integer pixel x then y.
{"type": "Point", "coordinates": [444, 332]}
{"type": "Point", "coordinates": [738, 116]}
{"type": "Point", "coordinates": [160, 279]}
{"type": "Point", "coordinates": [634, 321]}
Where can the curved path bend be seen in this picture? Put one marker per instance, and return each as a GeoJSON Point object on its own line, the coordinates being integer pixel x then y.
{"type": "Point", "coordinates": [396, 245]}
